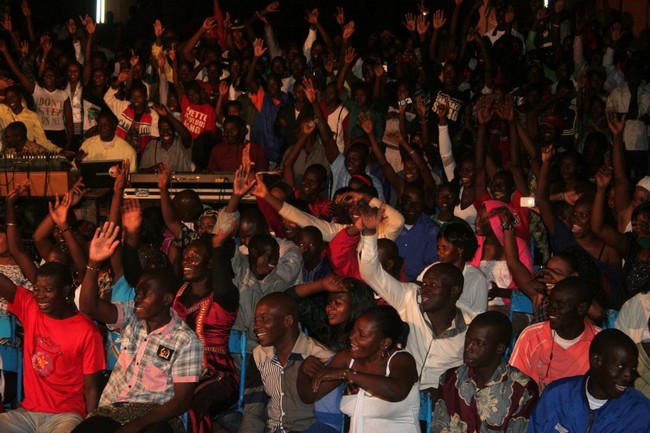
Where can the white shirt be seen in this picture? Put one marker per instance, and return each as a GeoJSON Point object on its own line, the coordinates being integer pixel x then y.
{"type": "Point", "coordinates": [475, 289]}
{"type": "Point", "coordinates": [433, 355]}
{"type": "Point", "coordinates": [633, 317]}
{"type": "Point", "coordinates": [634, 135]}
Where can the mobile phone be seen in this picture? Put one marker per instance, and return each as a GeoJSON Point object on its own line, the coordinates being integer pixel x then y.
{"type": "Point", "coordinates": [527, 202]}
{"type": "Point", "coordinates": [407, 101]}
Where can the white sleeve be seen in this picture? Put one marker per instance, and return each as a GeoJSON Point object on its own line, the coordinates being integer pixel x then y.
{"type": "Point", "coordinates": [117, 106]}
{"type": "Point", "coordinates": [303, 219]}
{"type": "Point", "coordinates": [393, 291]}
{"type": "Point", "coordinates": [309, 41]}
{"type": "Point", "coordinates": [393, 223]}
{"type": "Point", "coordinates": [448, 162]}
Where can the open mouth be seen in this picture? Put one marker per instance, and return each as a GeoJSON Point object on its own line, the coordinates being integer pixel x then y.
{"type": "Point", "coordinates": [621, 388]}
{"type": "Point", "coordinates": [576, 229]}
{"type": "Point", "coordinates": [498, 195]}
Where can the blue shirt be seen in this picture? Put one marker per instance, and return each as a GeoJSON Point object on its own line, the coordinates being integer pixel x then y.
{"type": "Point", "coordinates": [563, 407]}
{"type": "Point", "coordinates": [418, 246]}
{"type": "Point", "coordinates": [341, 177]}
{"type": "Point", "coordinates": [322, 269]}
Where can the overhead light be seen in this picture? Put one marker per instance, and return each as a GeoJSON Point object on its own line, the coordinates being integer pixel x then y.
{"type": "Point", "coordinates": [101, 9]}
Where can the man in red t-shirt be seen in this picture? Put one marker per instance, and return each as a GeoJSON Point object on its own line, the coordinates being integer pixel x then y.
{"type": "Point", "coordinates": [227, 156]}
{"type": "Point", "coordinates": [63, 354]}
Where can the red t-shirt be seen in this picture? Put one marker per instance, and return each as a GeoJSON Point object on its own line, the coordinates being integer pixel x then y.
{"type": "Point", "coordinates": [227, 158]}
{"type": "Point", "coordinates": [57, 356]}
{"type": "Point", "coordinates": [198, 118]}
{"type": "Point", "coordinates": [320, 208]}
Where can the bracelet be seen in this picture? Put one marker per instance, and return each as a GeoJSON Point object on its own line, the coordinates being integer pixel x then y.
{"type": "Point", "coordinates": [90, 268]}
{"type": "Point", "coordinates": [508, 225]}
{"type": "Point", "coordinates": [556, 26]}
{"type": "Point", "coordinates": [10, 224]}
{"type": "Point", "coordinates": [65, 230]}
{"type": "Point", "coordinates": [411, 152]}
{"type": "Point", "coordinates": [561, 196]}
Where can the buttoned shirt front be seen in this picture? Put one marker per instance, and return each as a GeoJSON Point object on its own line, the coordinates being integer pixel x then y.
{"type": "Point", "coordinates": [151, 362]}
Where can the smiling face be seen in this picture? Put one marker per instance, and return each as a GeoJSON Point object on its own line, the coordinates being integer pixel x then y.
{"type": "Point", "coordinates": [139, 100]}
{"type": "Point", "coordinates": [613, 371]}
{"type": "Point", "coordinates": [448, 252]}
{"type": "Point", "coordinates": [580, 220]}
{"type": "Point", "coordinates": [166, 131]}
{"type": "Point", "coordinates": [73, 73]}
{"type": "Point", "coordinates": [411, 171]}
{"type": "Point", "coordinates": [50, 295]}
{"type": "Point", "coordinates": [412, 203]}
{"type": "Point", "coordinates": [13, 99]}
{"type": "Point", "coordinates": [106, 127]}
{"type": "Point", "coordinates": [270, 323]}
{"type": "Point", "coordinates": [436, 295]}
{"type": "Point", "coordinates": [501, 187]}
{"type": "Point", "coordinates": [446, 200]}
{"type": "Point", "coordinates": [311, 184]}
{"type": "Point", "coordinates": [264, 261]}
{"type": "Point", "coordinates": [565, 311]}
{"type": "Point", "coordinates": [150, 302]}
{"type": "Point", "coordinates": [338, 308]}
{"type": "Point", "coordinates": [196, 262]}
{"type": "Point", "coordinates": [355, 161]}
{"type": "Point", "coordinates": [365, 339]}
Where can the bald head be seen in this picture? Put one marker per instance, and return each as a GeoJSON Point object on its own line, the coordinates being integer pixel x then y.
{"type": "Point", "coordinates": [449, 275]}
{"type": "Point", "coordinates": [282, 303]}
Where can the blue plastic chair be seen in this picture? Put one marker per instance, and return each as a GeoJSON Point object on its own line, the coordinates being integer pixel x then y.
{"type": "Point", "coordinates": [426, 409]}
{"type": "Point", "coordinates": [519, 303]}
{"type": "Point", "coordinates": [237, 344]}
{"type": "Point", "coordinates": [610, 319]}
{"type": "Point", "coordinates": [12, 356]}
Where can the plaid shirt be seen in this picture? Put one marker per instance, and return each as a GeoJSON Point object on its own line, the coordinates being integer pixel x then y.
{"type": "Point", "coordinates": [150, 363]}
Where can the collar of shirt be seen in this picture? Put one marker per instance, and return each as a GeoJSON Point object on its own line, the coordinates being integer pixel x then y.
{"type": "Point", "coordinates": [300, 351]}
{"type": "Point", "coordinates": [458, 325]}
{"type": "Point", "coordinates": [163, 330]}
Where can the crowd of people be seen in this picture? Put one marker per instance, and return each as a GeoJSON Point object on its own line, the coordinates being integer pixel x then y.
{"type": "Point", "coordinates": [410, 186]}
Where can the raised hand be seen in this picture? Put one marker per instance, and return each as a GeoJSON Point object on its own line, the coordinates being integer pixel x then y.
{"type": "Point", "coordinates": [17, 192]}
{"type": "Point", "coordinates": [485, 109]}
{"type": "Point", "coordinates": [260, 190]}
{"type": "Point", "coordinates": [312, 17]}
{"type": "Point", "coordinates": [340, 16]}
{"type": "Point", "coordinates": [329, 62]}
{"type": "Point", "coordinates": [424, 10]}
{"type": "Point", "coordinates": [615, 124]}
{"type": "Point", "coordinates": [308, 127]}
{"type": "Point", "coordinates": [24, 7]}
{"type": "Point", "coordinates": [209, 23]}
{"type": "Point", "coordinates": [365, 122]}
{"type": "Point", "coordinates": [59, 209]}
{"type": "Point", "coordinates": [442, 110]}
{"type": "Point", "coordinates": [409, 22]}
{"type": "Point", "coordinates": [350, 55]}
{"type": "Point", "coordinates": [134, 59]}
{"type": "Point", "coordinates": [604, 177]}
{"type": "Point", "coordinates": [261, 17]}
{"type": "Point", "coordinates": [258, 47]}
{"type": "Point", "coordinates": [158, 29]}
{"type": "Point", "coordinates": [422, 24]}
{"type": "Point", "coordinates": [348, 30]}
{"type": "Point", "coordinates": [122, 177]}
{"type": "Point", "coordinates": [24, 48]}
{"type": "Point", "coordinates": [6, 22]}
{"type": "Point", "coordinates": [72, 26]}
{"type": "Point", "coordinates": [243, 181]}
{"type": "Point", "coordinates": [371, 217]}
{"type": "Point", "coordinates": [104, 243]}
{"type": "Point", "coordinates": [510, 14]}
{"type": "Point", "coordinates": [5, 82]}
{"type": "Point", "coordinates": [439, 19]}
{"type": "Point", "coordinates": [164, 175]}
{"type": "Point", "coordinates": [161, 61]}
{"type": "Point", "coordinates": [506, 218]}
{"type": "Point", "coordinates": [77, 192]}
{"type": "Point", "coordinates": [161, 110]}
{"type": "Point", "coordinates": [227, 24]}
{"type": "Point", "coordinates": [505, 109]}
{"type": "Point", "coordinates": [91, 26]}
{"type": "Point", "coordinates": [334, 284]}
{"type": "Point", "coordinates": [123, 76]}
{"type": "Point", "coordinates": [559, 6]}
{"type": "Point", "coordinates": [172, 53]}
{"type": "Point", "coordinates": [547, 154]}
{"type": "Point", "coordinates": [273, 7]}
{"type": "Point", "coordinates": [310, 92]}
{"type": "Point", "coordinates": [131, 216]}
{"type": "Point", "coordinates": [571, 197]}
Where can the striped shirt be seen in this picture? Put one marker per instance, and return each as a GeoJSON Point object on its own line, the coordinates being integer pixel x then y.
{"type": "Point", "coordinates": [150, 363]}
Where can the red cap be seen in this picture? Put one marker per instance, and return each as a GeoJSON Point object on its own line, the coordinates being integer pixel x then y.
{"type": "Point", "coordinates": [553, 120]}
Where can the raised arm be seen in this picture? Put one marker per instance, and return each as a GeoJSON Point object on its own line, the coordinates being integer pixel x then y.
{"type": "Point", "coordinates": [542, 198]}
{"type": "Point", "coordinates": [506, 112]}
{"type": "Point", "coordinates": [607, 234]}
{"type": "Point", "coordinates": [103, 245]}
{"type": "Point", "coordinates": [324, 131]}
{"type": "Point", "coordinates": [444, 143]}
{"type": "Point", "coordinates": [14, 241]}
{"type": "Point", "coordinates": [28, 84]}
{"type": "Point", "coordinates": [88, 49]}
{"type": "Point", "coordinates": [366, 123]}
{"type": "Point", "coordinates": [308, 129]}
{"type": "Point", "coordinates": [186, 51]}
{"type": "Point", "coordinates": [59, 214]}
{"type": "Point", "coordinates": [181, 130]}
{"type": "Point", "coordinates": [485, 113]}
{"type": "Point", "coordinates": [27, 12]}
{"type": "Point", "coordinates": [622, 201]}
{"type": "Point", "coordinates": [169, 214]}
{"type": "Point", "coordinates": [258, 51]}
